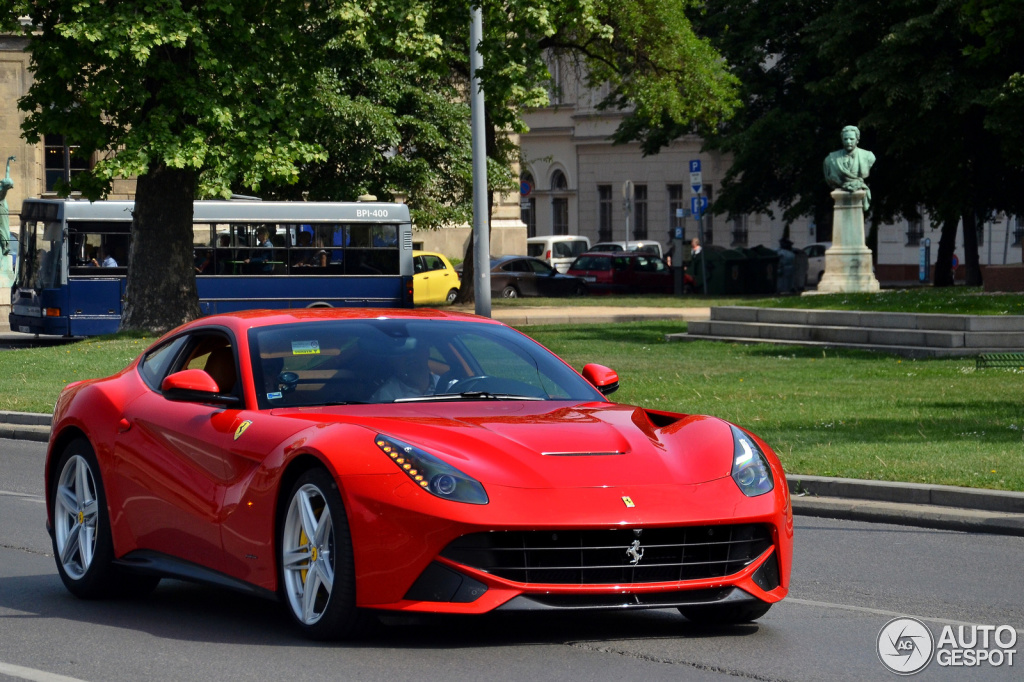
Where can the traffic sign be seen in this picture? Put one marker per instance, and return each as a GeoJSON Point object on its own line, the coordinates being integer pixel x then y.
{"type": "Point", "coordinates": [696, 181]}
{"type": "Point", "coordinates": [698, 205]}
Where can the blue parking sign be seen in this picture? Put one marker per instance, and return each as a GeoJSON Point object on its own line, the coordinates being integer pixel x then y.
{"type": "Point", "coordinates": [698, 205]}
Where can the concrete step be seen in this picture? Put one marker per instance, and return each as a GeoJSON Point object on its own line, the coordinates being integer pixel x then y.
{"type": "Point", "coordinates": [883, 320]}
{"type": "Point", "coordinates": [904, 351]}
{"type": "Point", "coordinates": [859, 335]}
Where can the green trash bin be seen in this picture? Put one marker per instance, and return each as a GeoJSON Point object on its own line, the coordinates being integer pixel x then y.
{"type": "Point", "coordinates": [725, 271]}
{"type": "Point", "coordinates": [761, 272]}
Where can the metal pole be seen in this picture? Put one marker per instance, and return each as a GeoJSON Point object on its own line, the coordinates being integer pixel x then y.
{"type": "Point", "coordinates": [481, 228]}
{"type": "Point", "coordinates": [703, 262]}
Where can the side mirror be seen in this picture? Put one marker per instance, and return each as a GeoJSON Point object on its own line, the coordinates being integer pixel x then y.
{"type": "Point", "coordinates": [604, 379]}
{"type": "Point", "coordinates": [195, 386]}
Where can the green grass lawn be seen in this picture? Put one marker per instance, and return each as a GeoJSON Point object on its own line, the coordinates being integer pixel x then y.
{"type": "Point", "coordinates": [830, 413]}
{"type": "Point", "coordinates": [834, 413]}
{"type": "Point", "coordinates": [951, 300]}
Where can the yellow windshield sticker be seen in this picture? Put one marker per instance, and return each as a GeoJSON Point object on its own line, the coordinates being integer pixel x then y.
{"type": "Point", "coordinates": [305, 348]}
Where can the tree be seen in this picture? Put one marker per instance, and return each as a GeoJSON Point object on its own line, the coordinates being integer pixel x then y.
{"type": "Point", "coordinates": [910, 73]}
{"type": "Point", "coordinates": [194, 96]}
{"type": "Point", "coordinates": [659, 73]}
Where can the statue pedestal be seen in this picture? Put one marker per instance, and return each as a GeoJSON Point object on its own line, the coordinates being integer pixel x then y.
{"type": "Point", "coordinates": [6, 282]}
{"type": "Point", "coordinates": [848, 261]}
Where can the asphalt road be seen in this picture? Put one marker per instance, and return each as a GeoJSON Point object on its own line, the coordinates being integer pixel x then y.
{"type": "Point", "coordinates": [849, 580]}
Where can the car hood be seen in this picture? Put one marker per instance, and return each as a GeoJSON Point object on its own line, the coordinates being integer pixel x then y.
{"type": "Point", "coordinates": [560, 444]}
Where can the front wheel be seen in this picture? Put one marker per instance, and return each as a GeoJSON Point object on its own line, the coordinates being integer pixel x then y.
{"type": "Point", "coordinates": [317, 570]}
{"type": "Point", "coordinates": [82, 544]}
{"type": "Point", "coordinates": [510, 292]}
{"type": "Point", "coordinates": [724, 614]}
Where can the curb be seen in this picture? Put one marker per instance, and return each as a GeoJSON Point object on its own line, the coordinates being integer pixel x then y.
{"type": "Point", "coordinates": [923, 505]}
{"type": "Point", "coordinates": [942, 507]}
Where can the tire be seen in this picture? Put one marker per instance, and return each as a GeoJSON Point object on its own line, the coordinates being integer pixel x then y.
{"type": "Point", "coordinates": [724, 614]}
{"type": "Point", "coordinates": [510, 292]}
{"type": "Point", "coordinates": [579, 290]}
{"type": "Point", "coordinates": [452, 295]}
{"type": "Point", "coordinates": [82, 546]}
{"type": "Point", "coordinates": [318, 578]}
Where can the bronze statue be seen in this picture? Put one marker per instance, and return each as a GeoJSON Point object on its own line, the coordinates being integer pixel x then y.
{"type": "Point", "coordinates": [846, 169]}
{"type": "Point", "coordinates": [5, 220]}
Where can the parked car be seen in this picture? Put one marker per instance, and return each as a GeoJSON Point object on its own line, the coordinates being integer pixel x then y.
{"type": "Point", "coordinates": [434, 280]}
{"type": "Point", "coordinates": [256, 450]}
{"type": "Point", "coordinates": [515, 276]}
{"type": "Point", "coordinates": [559, 251]}
{"type": "Point", "coordinates": [816, 260]}
{"type": "Point", "coordinates": [641, 245]}
{"type": "Point", "coordinates": [626, 272]}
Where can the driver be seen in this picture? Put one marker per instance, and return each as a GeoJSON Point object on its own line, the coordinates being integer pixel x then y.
{"type": "Point", "coordinates": [410, 374]}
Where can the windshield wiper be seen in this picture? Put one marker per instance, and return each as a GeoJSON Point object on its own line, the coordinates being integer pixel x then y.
{"type": "Point", "coordinates": [468, 395]}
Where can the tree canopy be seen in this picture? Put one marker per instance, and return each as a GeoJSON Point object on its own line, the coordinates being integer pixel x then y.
{"type": "Point", "coordinates": [931, 84]}
{"type": "Point", "coordinates": [328, 99]}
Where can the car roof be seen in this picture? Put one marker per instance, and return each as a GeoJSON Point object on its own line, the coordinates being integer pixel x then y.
{"type": "Point", "coordinates": [243, 320]}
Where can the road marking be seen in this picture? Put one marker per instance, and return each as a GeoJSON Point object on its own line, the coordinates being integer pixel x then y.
{"type": "Point", "coordinates": [33, 674]}
{"type": "Point", "coordinates": [28, 497]}
{"type": "Point", "coordinates": [882, 612]}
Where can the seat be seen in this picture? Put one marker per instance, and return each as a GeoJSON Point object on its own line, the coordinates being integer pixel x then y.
{"type": "Point", "coordinates": [221, 366]}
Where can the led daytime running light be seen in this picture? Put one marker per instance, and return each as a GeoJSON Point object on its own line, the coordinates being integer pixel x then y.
{"type": "Point", "coordinates": [432, 474]}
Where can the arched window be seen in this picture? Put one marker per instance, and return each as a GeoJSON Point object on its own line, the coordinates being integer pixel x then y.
{"type": "Point", "coordinates": [558, 182]}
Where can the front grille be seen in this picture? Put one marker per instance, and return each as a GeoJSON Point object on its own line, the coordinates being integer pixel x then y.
{"type": "Point", "coordinates": [595, 557]}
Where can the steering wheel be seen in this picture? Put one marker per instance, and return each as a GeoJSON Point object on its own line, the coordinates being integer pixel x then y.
{"type": "Point", "coordinates": [467, 384]}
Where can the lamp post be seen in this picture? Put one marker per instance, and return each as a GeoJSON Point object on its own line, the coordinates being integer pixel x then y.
{"type": "Point", "coordinates": [481, 232]}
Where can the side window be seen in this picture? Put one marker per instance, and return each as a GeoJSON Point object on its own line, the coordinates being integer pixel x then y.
{"type": "Point", "coordinates": [433, 263]}
{"type": "Point", "coordinates": [155, 364]}
{"type": "Point", "coordinates": [214, 354]}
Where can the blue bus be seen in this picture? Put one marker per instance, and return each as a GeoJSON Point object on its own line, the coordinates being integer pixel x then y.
{"type": "Point", "coordinates": [70, 279]}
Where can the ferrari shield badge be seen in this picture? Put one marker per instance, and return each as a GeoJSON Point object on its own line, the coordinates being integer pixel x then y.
{"type": "Point", "coordinates": [626, 499]}
{"type": "Point", "coordinates": [241, 428]}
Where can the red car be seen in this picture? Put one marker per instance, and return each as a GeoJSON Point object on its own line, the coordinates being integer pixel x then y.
{"type": "Point", "coordinates": [347, 461]}
{"type": "Point", "coordinates": [626, 272]}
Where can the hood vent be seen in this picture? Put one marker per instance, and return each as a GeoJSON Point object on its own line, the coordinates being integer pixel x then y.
{"type": "Point", "coordinates": [581, 454]}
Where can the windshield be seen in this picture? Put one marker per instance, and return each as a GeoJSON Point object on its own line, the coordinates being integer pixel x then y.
{"type": "Point", "coordinates": [42, 246]}
{"type": "Point", "coordinates": [385, 360]}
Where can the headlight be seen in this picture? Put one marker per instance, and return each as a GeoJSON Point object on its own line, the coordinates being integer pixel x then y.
{"type": "Point", "coordinates": [750, 467]}
{"type": "Point", "coordinates": [430, 473]}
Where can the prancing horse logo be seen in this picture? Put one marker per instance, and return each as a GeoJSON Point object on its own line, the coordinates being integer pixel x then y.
{"type": "Point", "coordinates": [635, 553]}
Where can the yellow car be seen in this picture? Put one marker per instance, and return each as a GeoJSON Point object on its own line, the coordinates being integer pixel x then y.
{"type": "Point", "coordinates": [434, 279]}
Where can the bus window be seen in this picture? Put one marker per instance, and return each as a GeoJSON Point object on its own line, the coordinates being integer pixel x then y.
{"type": "Point", "coordinates": [41, 249]}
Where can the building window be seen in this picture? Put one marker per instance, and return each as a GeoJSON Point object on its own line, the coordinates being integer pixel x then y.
{"type": "Point", "coordinates": [915, 231]}
{"type": "Point", "coordinates": [60, 162]}
{"type": "Point", "coordinates": [675, 204]}
{"type": "Point", "coordinates": [1018, 231]}
{"type": "Point", "coordinates": [527, 204]}
{"type": "Point", "coordinates": [640, 212]}
{"type": "Point", "coordinates": [559, 205]}
{"type": "Point", "coordinates": [739, 231]}
{"type": "Point", "coordinates": [560, 215]}
{"type": "Point", "coordinates": [604, 213]}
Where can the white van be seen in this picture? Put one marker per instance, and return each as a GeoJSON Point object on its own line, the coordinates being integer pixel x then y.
{"type": "Point", "coordinates": [641, 245]}
{"type": "Point", "coordinates": [559, 250]}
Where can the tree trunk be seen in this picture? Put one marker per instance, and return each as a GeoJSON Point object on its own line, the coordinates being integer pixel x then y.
{"type": "Point", "coordinates": [971, 262]}
{"type": "Point", "coordinates": [944, 257]}
{"type": "Point", "coordinates": [467, 290]}
{"type": "Point", "coordinates": [161, 288]}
